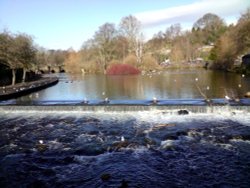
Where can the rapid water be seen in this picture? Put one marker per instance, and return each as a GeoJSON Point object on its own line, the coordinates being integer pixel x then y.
{"type": "Point", "coordinates": [147, 148]}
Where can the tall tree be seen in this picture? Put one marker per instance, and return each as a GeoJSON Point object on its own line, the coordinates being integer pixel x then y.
{"type": "Point", "coordinates": [233, 43]}
{"type": "Point", "coordinates": [225, 51]}
{"type": "Point", "coordinates": [26, 52]}
{"type": "Point", "coordinates": [241, 34]}
{"type": "Point", "coordinates": [172, 32]}
{"type": "Point", "coordinates": [104, 41]}
{"type": "Point", "coordinates": [17, 51]}
{"type": "Point", "coordinates": [245, 17]}
{"type": "Point", "coordinates": [210, 26]}
{"type": "Point", "coordinates": [130, 28]}
{"type": "Point", "coordinates": [41, 58]}
{"type": "Point", "coordinates": [9, 53]}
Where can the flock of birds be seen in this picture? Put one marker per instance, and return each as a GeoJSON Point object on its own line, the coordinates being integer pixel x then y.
{"type": "Point", "coordinates": [155, 100]}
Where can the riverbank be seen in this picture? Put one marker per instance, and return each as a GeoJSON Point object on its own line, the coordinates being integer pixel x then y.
{"type": "Point", "coordinates": [9, 92]}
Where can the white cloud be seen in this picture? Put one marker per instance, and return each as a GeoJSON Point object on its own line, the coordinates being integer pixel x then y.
{"type": "Point", "coordinates": [191, 12]}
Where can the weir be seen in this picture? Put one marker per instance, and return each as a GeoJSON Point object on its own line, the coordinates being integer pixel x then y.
{"type": "Point", "coordinates": [168, 109]}
{"type": "Point", "coordinates": [86, 142]}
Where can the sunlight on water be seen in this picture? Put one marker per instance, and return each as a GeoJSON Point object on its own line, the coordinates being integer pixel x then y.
{"type": "Point", "coordinates": [171, 84]}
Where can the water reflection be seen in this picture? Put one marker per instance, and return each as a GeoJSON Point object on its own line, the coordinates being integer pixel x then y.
{"type": "Point", "coordinates": [172, 84]}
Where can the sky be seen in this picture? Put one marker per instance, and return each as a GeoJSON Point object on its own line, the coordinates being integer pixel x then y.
{"type": "Point", "coordinates": [64, 24]}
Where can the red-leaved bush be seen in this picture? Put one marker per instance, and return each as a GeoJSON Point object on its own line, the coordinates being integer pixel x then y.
{"type": "Point", "coordinates": [122, 69]}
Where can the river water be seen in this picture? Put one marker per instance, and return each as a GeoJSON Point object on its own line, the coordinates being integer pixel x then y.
{"type": "Point", "coordinates": [171, 84]}
{"type": "Point", "coordinates": [132, 149]}
{"type": "Point", "coordinates": [130, 145]}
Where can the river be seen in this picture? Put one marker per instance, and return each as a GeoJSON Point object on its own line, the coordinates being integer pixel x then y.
{"type": "Point", "coordinates": [170, 84]}
{"type": "Point", "coordinates": [130, 145]}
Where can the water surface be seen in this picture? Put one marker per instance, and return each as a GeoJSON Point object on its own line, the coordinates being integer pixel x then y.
{"type": "Point", "coordinates": [171, 84]}
{"type": "Point", "coordinates": [137, 149]}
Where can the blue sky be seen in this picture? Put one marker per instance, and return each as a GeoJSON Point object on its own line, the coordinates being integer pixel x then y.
{"type": "Point", "coordinates": [61, 24]}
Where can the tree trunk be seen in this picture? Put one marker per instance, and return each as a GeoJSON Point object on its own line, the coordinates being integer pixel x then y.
{"type": "Point", "coordinates": [49, 69]}
{"type": "Point", "coordinates": [13, 76]}
{"type": "Point", "coordinates": [104, 67]}
{"type": "Point", "coordinates": [24, 75]}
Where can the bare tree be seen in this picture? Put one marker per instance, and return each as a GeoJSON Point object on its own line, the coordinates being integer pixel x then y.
{"type": "Point", "coordinates": [9, 53]}
{"type": "Point", "coordinates": [26, 52]}
{"type": "Point", "coordinates": [104, 43]}
{"type": "Point", "coordinates": [172, 32]}
{"type": "Point", "coordinates": [130, 28]}
{"type": "Point", "coordinates": [245, 17]}
{"type": "Point", "coordinates": [17, 52]}
{"type": "Point", "coordinates": [41, 58]}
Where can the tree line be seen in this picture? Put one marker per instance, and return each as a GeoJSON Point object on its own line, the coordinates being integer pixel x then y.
{"type": "Point", "coordinates": [18, 51]}
{"type": "Point", "coordinates": [209, 39]}
{"type": "Point", "coordinates": [110, 45]}
{"type": "Point", "coordinates": [232, 43]}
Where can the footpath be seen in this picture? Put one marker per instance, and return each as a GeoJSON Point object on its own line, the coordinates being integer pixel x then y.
{"type": "Point", "coordinates": [18, 90]}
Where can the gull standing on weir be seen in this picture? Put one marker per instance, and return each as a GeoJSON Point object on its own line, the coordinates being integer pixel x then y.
{"type": "Point", "coordinates": [227, 97]}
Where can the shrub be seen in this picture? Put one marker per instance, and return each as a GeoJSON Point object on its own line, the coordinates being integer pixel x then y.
{"type": "Point", "coordinates": [122, 69]}
{"type": "Point", "coordinates": [149, 63]}
{"type": "Point", "coordinates": [131, 60]}
{"type": "Point", "coordinates": [113, 62]}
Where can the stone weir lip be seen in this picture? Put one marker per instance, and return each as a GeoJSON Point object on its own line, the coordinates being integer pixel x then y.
{"type": "Point", "coordinates": [18, 90]}
{"type": "Point", "coordinates": [127, 103]}
{"type": "Point", "coordinates": [165, 109]}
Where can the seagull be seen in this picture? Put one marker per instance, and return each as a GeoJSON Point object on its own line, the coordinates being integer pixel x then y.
{"type": "Point", "coordinates": [154, 100]}
{"type": "Point", "coordinates": [237, 100]}
{"type": "Point", "coordinates": [40, 141]}
{"type": "Point", "coordinates": [85, 101]}
{"type": "Point", "coordinates": [122, 139]}
{"type": "Point", "coordinates": [208, 100]}
{"type": "Point", "coordinates": [227, 97]}
{"type": "Point", "coordinates": [106, 100]}
{"type": "Point", "coordinates": [196, 79]}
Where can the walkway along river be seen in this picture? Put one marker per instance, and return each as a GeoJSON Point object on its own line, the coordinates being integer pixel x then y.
{"type": "Point", "coordinates": [18, 90]}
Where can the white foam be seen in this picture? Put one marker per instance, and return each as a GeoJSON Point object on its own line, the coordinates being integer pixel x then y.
{"type": "Point", "coordinates": [54, 145]}
{"type": "Point", "coordinates": [85, 159]}
{"type": "Point", "coordinates": [239, 140]}
{"type": "Point", "coordinates": [152, 116]}
{"type": "Point", "coordinates": [226, 146]}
